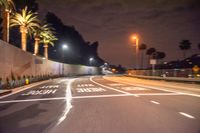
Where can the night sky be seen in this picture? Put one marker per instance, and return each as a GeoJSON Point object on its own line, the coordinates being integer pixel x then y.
{"type": "Point", "coordinates": [160, 23]}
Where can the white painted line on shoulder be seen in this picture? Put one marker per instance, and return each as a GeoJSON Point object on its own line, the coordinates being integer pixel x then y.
{"type": "Point", "coordinates": [108, 87]}
{"type": "Point", "coordinates": [187, 115]}
{"type": "Point", "coordinates": [155, 102]}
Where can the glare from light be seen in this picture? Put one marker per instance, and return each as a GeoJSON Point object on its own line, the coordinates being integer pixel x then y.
{"type": "Point", "coordinates": [91, 59]}
{"type": "Point", "coordinates": [64, 46]}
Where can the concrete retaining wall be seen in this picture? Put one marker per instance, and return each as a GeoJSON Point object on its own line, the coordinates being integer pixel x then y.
{"type": "Point", "coordinates": [14, 61]}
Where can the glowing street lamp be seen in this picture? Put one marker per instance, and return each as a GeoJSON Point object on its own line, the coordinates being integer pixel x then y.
{"type": "Point", "coordinates": [90, 60]}
{"type": "Point", "coordinates": [135, 40]}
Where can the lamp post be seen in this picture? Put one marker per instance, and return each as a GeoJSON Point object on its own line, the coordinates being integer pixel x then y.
{"type": "Point", "coordinates": [135, 39]}
{"type": "Point", "coordinates": [64, 47]}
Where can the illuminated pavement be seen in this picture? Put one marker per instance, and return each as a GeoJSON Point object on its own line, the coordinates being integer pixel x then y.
{"type": "Point", "coordinates": [99, 105]}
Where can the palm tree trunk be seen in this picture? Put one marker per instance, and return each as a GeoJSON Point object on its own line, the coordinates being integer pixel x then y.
{"type": "Point", "coordinates": [23, 31]}
{"type": "Point", "coordinates": [6, 22]}
{"type": "Point", "coordinates": [36, 46]}
{"type": "Point", "coordinates": [46, 50]}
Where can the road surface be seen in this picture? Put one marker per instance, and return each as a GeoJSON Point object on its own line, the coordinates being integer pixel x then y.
{"type": "Point", "coordinates": [98, 105]}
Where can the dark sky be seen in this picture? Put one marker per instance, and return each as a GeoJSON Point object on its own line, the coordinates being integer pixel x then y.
{"type": "Point", "coordinates": [160, 23]}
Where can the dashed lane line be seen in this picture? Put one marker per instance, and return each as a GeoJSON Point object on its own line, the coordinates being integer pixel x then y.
{"type": "Point", "coordinates": [155, 102]}
{"type": "Point", "coordinates": [187, 115]}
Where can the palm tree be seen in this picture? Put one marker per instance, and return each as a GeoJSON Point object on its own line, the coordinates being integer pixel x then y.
{"type": "Point", "coordinates": [27, 21]}
{"type": "Point", "coordinates": [38, 34]}
{"type": "Point", "coordinates": [142, 47]}
{"type": "Point", "coordinates": [47, 37]}
{"type": "Point", "coordinates": [184, 46]}
{"type": "Point", "coordinates": [8, 7]}
{"type": "Point", "coordinates": [150, 52]}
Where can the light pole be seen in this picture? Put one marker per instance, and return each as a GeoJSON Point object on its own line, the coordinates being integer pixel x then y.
{"type": "Point", "coordinates": [64, 47]}
{"type": "Point", "coordinates": [135, 39]}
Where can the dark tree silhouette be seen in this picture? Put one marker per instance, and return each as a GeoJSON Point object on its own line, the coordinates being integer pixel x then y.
{"type": "Point", "coordinates": [31, 4]}
{"type": "Point", "coordinates": [149, 53]}
{"type": "Point", "coordinates": [199, 46]}
{"type": "Point", "coordinates": [79, 50]}
{"type": "Point", "coordinates": [142, 47]}
{"type": "Point", "coordinates": [184, 46]}
{"type": "Point", "coordinates": [159, 55]}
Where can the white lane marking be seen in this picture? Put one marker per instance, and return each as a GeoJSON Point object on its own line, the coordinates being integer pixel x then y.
{"type": "Point", "coordinates": [134, 88]}
{"type": "Point", "coordinates": [85, 85]}
{"type": "Point", "coordinates": [102, 96]}
{"type": "Point", "coordinates": [187, 115]}
{"type": "Point", "coordinates": [24, 88]}
{"type": "Point", "coordinates": [49, 86]}
{"type": "Point", "coordinates": [39, 92]}
{"type": "Point", "coordinates": [82, 90]}
{"type": "Point", "coordinates": [33, 100]}
{"type": "Point", "coordinates": [68, 97]}
{"type": "Point", "coordinates": [155, 102]}
{"type": "Point", "coordinates": [91, 96]}
{"type": "Point", "coordinates": [109, 87]}
{"type": "Point", "coordinates": [116, 84]}
{"type": "Point", "coordinates": [156, 88]}
{"type": "Point", "coordinates": [157, 94]}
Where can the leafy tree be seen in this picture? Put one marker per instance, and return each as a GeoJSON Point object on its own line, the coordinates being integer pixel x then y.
{"type": "Point", "coordinates": [184, 46]}
{"type": "Point", "coordinates": [47, 37]}
{"type": "Point", "coordinates": [8, 7]}
{"type": "Point", "coordinates": [38, 33]}
{"type": "Point", "coordinates": [142, 47]}
{"type": "Point", "coordinates": [27, 21]}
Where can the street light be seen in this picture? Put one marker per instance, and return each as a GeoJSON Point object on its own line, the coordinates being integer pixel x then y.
{"type": "Point", "coordinates": [90, 60]}
{"type": "Point", "coordinates": [64, 47]}
{"type": "Point", "coordinates": [135, 39]}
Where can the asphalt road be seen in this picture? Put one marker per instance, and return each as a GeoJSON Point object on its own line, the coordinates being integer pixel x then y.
{"type": "Point", "coordinates": [98, 105]}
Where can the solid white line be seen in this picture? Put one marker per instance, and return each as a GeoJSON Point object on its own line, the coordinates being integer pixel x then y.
{"type": "Point", "coordinates": [157, 94]}
{"type": "Point", "coordinates": [33, 100]}
{"type": "Point", "coordinates": [155, 102]}
{"type": "Point", "coordinates": [187, 115]}
{"type": "Point", "coordinates": [92, 96]}
{"type": "Point", "coordinates": [109, 87]}
{"type": "Point", "coordinates": [68, 98]}
{"type": "Point", "coordinates": [101, 96]}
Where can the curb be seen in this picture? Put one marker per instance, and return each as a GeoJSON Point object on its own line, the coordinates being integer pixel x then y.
{"type": "Point", "coordinates": [5, 92]}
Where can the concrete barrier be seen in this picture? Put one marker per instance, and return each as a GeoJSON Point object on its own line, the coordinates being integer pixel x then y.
{"type": "Point", "coordinates": [14, 61]}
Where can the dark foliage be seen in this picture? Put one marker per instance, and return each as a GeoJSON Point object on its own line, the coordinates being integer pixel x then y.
{"type": "Point", "coordinates": [79, 50]}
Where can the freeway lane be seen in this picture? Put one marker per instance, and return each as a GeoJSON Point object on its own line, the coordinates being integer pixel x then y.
{"type": "Point", "coordinates": [96, 105]}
